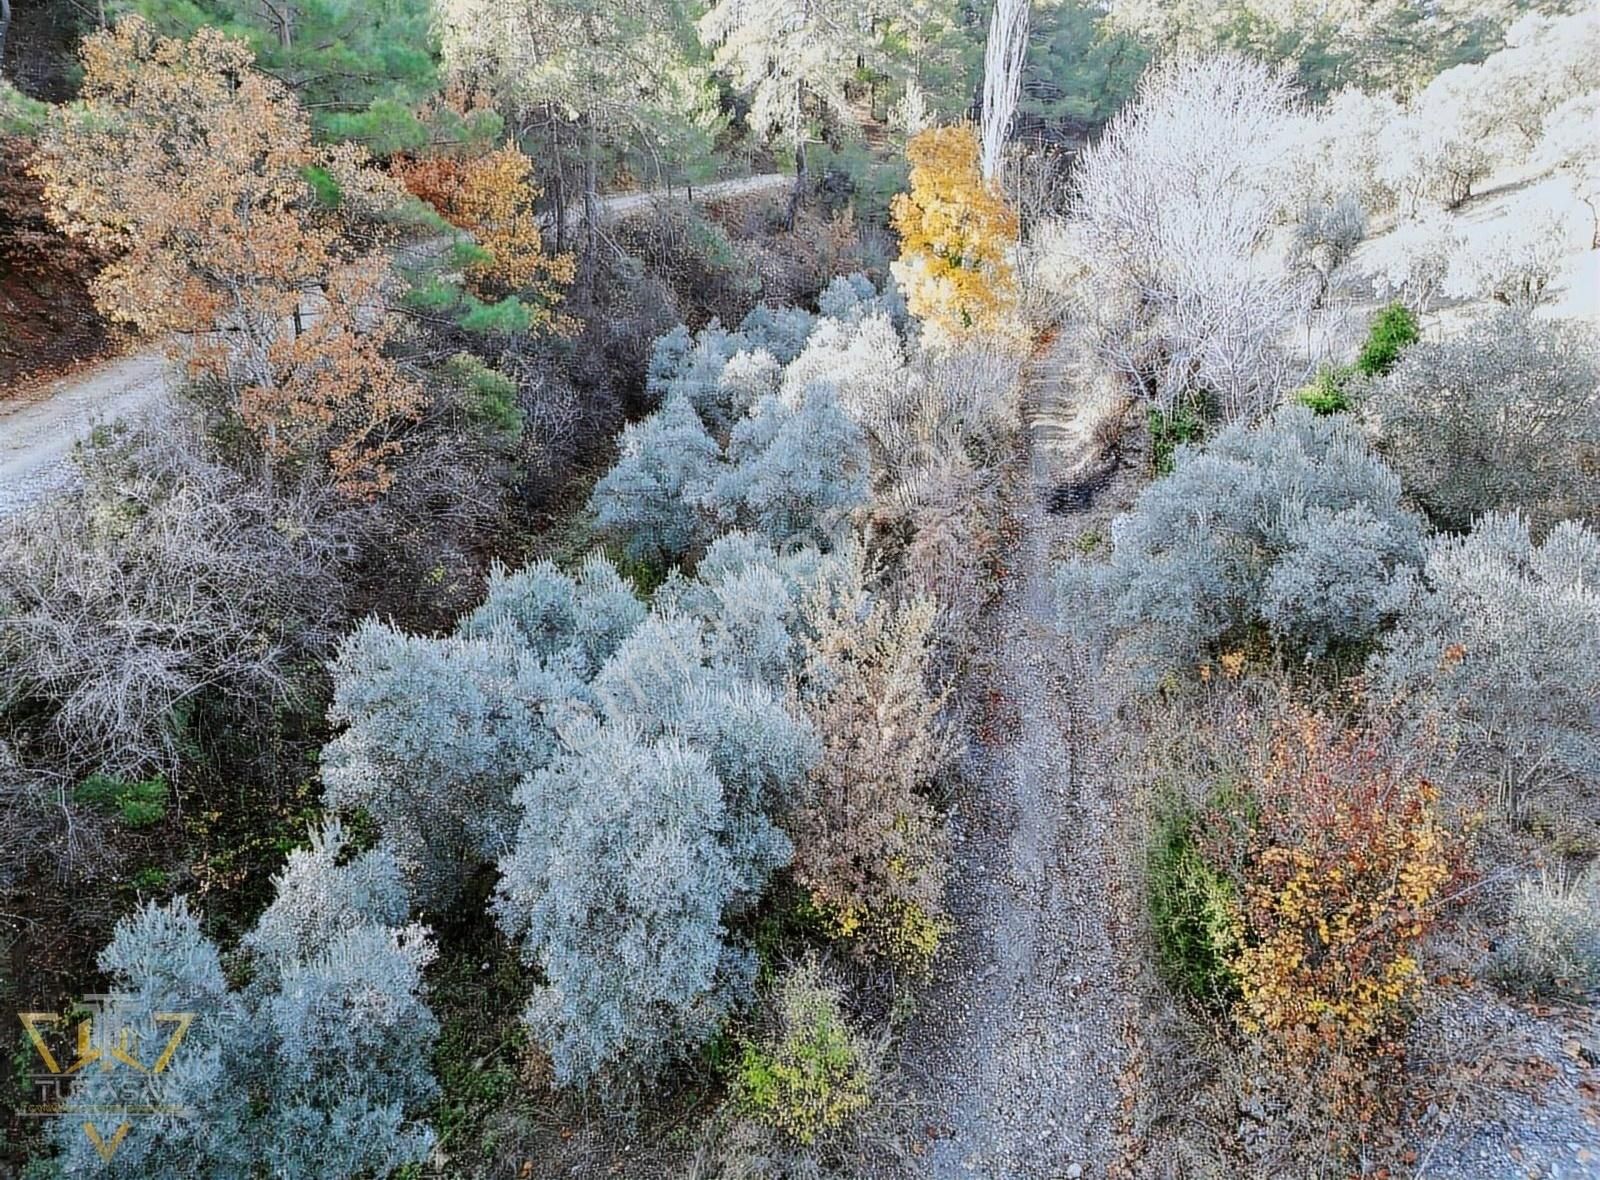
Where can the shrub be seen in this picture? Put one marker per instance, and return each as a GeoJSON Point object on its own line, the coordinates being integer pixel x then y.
{"type": "Point", "coordinates": [652, 498]}
{"type": "Point", "coordinates": [799, 472]}
{"type": "Point", "coordinates": [139, 803]}
{"type": "Point", "coordinates": [1194, 912]}
{"type": "Point", "coordinates": [1500, 416]}
{"type": "Point", "coordinates": [781, 331]}
{"type": "Point", "coordinates": [1294, 527]}
{"type": "Point", "coordinates": [794, 469]}
{"type": "Point", "coordinates": [317, 1066]}
{"type": "Point", "coordinates": [616, 888]}
{"type": "Point", "coordinates": [437, 732]}
{"type": "Point", "coordinates": [1506, 644]}
{"type": "Point", "coordinates": [869, 846]}
{"type": "Point", "coordinates": [1325, 237]}
{"type": "Point", "coordinates": [166, 580]}
{"type": "Point", "coordinates": [574, 621]}
{"type": "Point", "coordinates": [1348, 853]}
{"type": "Point", "coordinates": [812, 1073]}
{"type": "Point", "coordinates": [1329, 392]}
{"type": "Point", "coordinates": [1393, 330]}
{"type": "Point", "coordinates": [1552, 946]}
{"type": "Point", "coordinates": [648, 832]}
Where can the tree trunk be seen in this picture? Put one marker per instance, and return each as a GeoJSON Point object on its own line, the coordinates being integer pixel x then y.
{"type": "Point", "coordinates": [591, 184]}
{"type": "Point", "coordinates": [5, 24]}
{"type": "Point", "coordinates": [799, 192]}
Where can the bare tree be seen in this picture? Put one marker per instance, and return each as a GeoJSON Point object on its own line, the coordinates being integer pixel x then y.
{"type": "Point", "coordinates": [1004, 55]}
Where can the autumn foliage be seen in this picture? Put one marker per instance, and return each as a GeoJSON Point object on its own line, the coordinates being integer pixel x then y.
{"type": "Point", "coordinates": [1344, 873]}
{"type": "Point", "coordinates": [190, 169]}
{"type": "Point", "coordinates": [492, 197]}
{"type": "Point", "coordinates": [869, 847]}
{"type": "Point", "coordinates": [954, 231]}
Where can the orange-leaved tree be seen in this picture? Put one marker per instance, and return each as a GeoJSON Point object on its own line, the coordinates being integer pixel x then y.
{"type": "Point", "coordinates": [954, 228]}
{"type": "Point", "coordinates": [492, 197]}
{"type": "Point", "coordinates": [192, 169]}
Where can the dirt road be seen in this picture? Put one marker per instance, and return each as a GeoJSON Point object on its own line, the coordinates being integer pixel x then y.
{"type": "Point", "coordinates": [1022, 1044]}
{"type": "Point", "coordinates": [37, 433]}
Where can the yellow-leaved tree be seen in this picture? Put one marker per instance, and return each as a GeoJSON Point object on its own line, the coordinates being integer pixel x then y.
{"type": "Point", "coordinates": [954, 230]}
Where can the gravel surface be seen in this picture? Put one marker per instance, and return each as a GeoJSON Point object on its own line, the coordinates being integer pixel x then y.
{"type": "Point", "coordinates": [37, 435]}
{"type": "Point", "coordinates": [1021, 1042]}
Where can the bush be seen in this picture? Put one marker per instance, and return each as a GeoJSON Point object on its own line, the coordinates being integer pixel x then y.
{"type": "Point", "coordinates": [654, 827]}
{"type": "Point", "coordinates": [1505, 643]}
{"type": "Point", "coordinates": [812, 1074]}
{"type": "Point", "coordinates": [1325, 237]}
{"type": "Point", "coordinates": [1347, 853]}
{"type": "Point", "coordinates": [616, 889]}
{"type": "Point", "coordinates": [1194, 913]}
{"type": "Point", "coordinates": [1501, 416]}
{"type": "Point", "coordinates": [317, 1066]}
{"type": "Point", "coordinates": [1393, 330]}
{"type": "Point", "coordinates": [652, 498]}
{"type": "Point", "coordinates": [438, 731]}
{"type": "Point", "coordinates": [1293, 527]}
{"type": "Point", "coordinates": [1329, 392]}
{"type": "Point", "coordinates": [165, 581]}
{"type": "Point", "coordinates": [795, 464]}
{"type": "Point", "coordinates": [1552, 946]}
{"type": "Point", "coordinates": [870, 848]}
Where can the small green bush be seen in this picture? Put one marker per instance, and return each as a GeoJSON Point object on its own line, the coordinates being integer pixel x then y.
{"type": "Point", "coordinates": [1391, 333]}
{"type": "Point", "coordinates": [490, 397]}
{"type": "Point", "coordinates": [1193, 911]}
{"type": "Point", "coordinates": [140, 804]}
{"type": "Point", "coordinates": [814, 1074]}
{"type": "Point", "coordinates": [1168, 431]}
{"type": "Point", "coordinates": [1328, 391]}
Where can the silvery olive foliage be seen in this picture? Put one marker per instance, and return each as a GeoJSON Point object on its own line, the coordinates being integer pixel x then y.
{"type": "Point", "coordinates": [761, 429]}
{"type": "Point", "coordinates": [439, 730]}
{"type": "Point", "coordinates": [652, 827]}
{"type": "Point", "coordinates": [652, 499]}
{"type": "Point", "coordinates": [316, 1067]}
{"type": "Point", "coordinates": [576, 621]}
{"type": "Point", "coordinates": [781, 331]}
{"type": "Point", "coordinates": [616, 889]}
{"type": "Point", "coordinates": [1294, 526]}
{"type": "Point", "coordinates": [1324, 238]}
{"type": "Point", "coordinates": [1505, 643]}
{"type": "Point", "coordinates": [1503, 415]}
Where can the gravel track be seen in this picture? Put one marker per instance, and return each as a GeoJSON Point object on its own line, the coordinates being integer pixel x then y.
{"type": "Point", "coordinates": [1023, 1040]}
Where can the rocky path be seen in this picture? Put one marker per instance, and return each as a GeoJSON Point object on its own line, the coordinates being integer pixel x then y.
{"type": "Point", "coordinates": [1021, 1045]}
